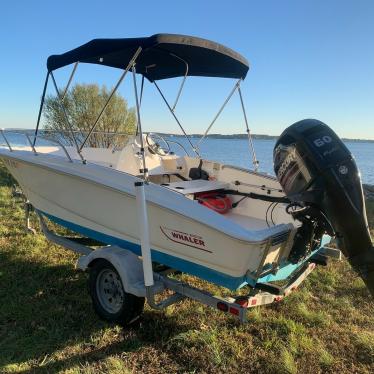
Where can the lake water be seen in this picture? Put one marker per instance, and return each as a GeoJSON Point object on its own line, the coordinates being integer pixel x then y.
{"type": "Point", "coordinates": [236, 152]}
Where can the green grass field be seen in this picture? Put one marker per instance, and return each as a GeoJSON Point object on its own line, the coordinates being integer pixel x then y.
{"type": "Point", "coordinates": [47, 324]}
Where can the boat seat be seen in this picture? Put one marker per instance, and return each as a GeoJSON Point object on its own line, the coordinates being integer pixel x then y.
{"type": "Point", "coordinates": [195, 186]}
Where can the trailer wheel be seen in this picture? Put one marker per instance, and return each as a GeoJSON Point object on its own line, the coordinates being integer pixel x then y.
{"type": "Point", "coordinates": [109, 299]}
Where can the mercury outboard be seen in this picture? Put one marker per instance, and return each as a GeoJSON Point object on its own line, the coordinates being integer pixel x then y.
{"type": "Point", "coordinates": [320, 178]}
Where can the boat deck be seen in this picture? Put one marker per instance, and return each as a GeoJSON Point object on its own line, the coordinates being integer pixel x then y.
{"type": "Point", "coordinates": [195, 186]}
{"type": "Point", "coordinates": [249, 223]}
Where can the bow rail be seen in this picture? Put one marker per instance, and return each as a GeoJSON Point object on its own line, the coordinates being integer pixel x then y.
{"type": "Point", "coordinates": [31, 143]}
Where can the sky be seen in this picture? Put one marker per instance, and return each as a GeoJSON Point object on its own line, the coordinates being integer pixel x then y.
{"type": "Point", "coordinates": [308, 59]}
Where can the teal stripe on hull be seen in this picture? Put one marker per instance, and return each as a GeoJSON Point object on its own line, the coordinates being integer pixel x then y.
{"type": "Point", "coordinates": [185, 266]}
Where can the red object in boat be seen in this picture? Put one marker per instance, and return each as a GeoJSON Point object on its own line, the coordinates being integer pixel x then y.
{"type": "Point", "coordinates": [217, 201]}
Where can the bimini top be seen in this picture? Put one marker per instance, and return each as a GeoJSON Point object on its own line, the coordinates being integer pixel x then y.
{"type": "Point", "coordinates": [162, 56]}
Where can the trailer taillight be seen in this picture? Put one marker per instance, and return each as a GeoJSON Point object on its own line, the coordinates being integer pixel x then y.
{"type": "Point", "coordinates": [242, 301]}
{"type": "Point", "coordinates": [253, 301]}
{"type": "Point", "coordinates": [234, 311]}
{"type": "Point", "coordinates": [222, 306]}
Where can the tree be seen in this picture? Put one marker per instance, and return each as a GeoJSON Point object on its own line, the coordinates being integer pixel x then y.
{"type": "Point", "coordinates": [83, 103]}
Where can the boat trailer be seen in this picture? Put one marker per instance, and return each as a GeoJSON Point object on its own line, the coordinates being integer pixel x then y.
{"type": "Point", "coordinates": [138, 277]}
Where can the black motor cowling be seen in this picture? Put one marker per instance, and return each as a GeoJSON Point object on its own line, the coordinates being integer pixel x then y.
{"type": "Point", "coordinates": [321, 179]}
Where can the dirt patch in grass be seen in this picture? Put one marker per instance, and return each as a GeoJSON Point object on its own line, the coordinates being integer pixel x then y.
{"type": "Point", "coordinates": [47, 324]}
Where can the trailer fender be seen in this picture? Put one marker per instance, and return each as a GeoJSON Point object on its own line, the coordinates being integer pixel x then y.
{"type": "Point", "coordinates": [128, 265]}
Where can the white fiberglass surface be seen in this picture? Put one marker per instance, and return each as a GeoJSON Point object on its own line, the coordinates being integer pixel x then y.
{"type": "Point", "coordinates": [249, 223]}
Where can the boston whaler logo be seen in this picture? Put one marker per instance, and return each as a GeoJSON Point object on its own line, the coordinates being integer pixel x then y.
{"type": "Point", "coordinates": [184, 238]}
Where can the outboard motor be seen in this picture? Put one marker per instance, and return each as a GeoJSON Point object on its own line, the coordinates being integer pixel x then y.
{"type": "Point", "coordinates": [321, 179]}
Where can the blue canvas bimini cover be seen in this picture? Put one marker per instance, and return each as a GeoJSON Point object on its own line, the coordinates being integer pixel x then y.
{"type": "Point", "coordinates": [162, 56]}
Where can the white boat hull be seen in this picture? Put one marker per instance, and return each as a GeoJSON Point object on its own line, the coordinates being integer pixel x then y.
{"type": "Point", "coordinates": [100, 203]}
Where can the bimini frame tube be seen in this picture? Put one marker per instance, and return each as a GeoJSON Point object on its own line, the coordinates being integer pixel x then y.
{"type": "Point", "coordinates": [41, 107]}
{"type": "Point", "coordinates": [43, 98]}
{"type": "Point", "coordinates": [183, 81]}
{"type": "Point", "coordinates": [176, 119]}
{"type": "Point", "coordinates": [66, 117]}
{"type": "Point", "coordinates": [70, 79]}
{"type": "Point", "coordinates": [237, 85]}
{"type": "Point", "coordinates": [6, 140]}
{"type": "Point", "coordinates": [130, 64]}
{"type": "Point", "coordinates": [251, 146]}
{"type": "Point", "coordinates": [139, 130]}
{"type": "Point", "coordinates": [141, 91]}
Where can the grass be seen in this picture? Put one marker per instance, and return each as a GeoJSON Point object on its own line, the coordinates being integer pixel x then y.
{"type": "Point", "coordinates": [47, 324]}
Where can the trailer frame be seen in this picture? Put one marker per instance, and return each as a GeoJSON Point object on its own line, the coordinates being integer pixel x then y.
{"type": "Point", "coordinates": [130, 269]}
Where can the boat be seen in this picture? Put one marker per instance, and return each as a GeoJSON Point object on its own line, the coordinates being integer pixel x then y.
{"type": "Point", "coordinates": [227, 225]}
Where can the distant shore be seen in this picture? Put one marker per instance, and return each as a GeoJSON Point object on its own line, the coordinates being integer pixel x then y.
{"type": "Point", "coordinates": [254, 136]}
{"type": "Point", "coordinates": [368, 191]}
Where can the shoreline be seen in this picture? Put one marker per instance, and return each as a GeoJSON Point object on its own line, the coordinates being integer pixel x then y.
{"type": "Point", "coordinates": [254, 136]}
{"type": "Point", "coordinates": [368, 191]}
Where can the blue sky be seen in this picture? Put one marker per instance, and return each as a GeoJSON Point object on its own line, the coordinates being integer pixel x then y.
{"type": "Point", "coordinates": [308, 59]}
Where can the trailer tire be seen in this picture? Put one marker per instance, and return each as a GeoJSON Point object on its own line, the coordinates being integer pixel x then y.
{"type": "Point", "coordinates": [109, 298]}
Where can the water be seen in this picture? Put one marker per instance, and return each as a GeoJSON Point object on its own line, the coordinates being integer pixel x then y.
{"type": "Point", "coordinates": [236, 152]}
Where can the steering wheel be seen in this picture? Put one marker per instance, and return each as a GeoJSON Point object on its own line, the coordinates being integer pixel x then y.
{"type": "Point", "coordinates": [155, 147]}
